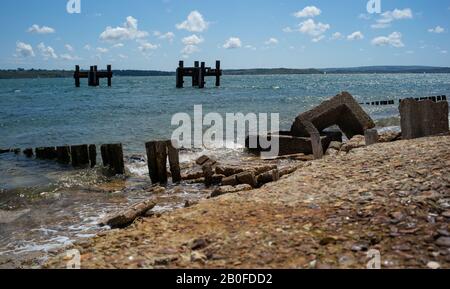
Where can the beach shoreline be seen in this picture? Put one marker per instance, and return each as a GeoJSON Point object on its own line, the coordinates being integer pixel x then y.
{"type": "Point", "coordinates": [390, 197]}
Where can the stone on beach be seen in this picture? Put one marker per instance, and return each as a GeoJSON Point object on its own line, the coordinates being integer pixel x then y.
{"type": "Point", "coordinates": [230, 190]}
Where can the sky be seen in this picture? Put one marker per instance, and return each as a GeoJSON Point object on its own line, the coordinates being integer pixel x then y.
{"type": "Point", "coordinates": [155, 34]}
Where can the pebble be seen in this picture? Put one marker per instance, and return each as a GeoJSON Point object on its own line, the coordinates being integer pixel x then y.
{"type": "Point", "coordinates": [434, 265]}
{"type": "Point", "coordinates": [443, 242]}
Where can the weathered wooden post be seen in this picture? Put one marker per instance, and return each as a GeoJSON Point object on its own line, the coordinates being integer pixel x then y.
{"type": "Point", "coordinates": [112, 156]}
{"type": "Point", "coordinates": [63, 155]}
{"type": "Point", "coordinates": [174, 162]}
{"type": "Point", "coordinates": [208, 174]}
{"type": "Point", "coordinates": [150, 148]}
{"type": "Point", "coordinates": [96, 76]}
{"type": "Point", "coordinates": [93, 155]}
{"type": "Point", "coordinates": [202, 72]}
{"type": "Point", "coordinates": [77, 76]}
{"type": "Point", "coordinates": [161, 161]}
{"type": "Point", "coordinates": [195, 76]}
{"type": "Point", "coordinates": [28, 153]}
{"type": "Point", "coordinates": [218, 74]}
{"type": "Point", "coordinates": [180, 74]}
{"type": "Point", "coordinates": [109, 68]}
{"type": "Point", "coordinates": [91, 76]}
{"type": "Point", "coordinates": [80, 156]}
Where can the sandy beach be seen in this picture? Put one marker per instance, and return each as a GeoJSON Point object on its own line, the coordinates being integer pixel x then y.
{"type": "Point", "coordinates": [391, 197]}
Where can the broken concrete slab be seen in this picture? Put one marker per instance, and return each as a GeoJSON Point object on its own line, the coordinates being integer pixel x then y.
{"type": "Point", "coordinates": [230, 190]}
{"type": "Point", "coordinates": [290, 145]}
{"type": "Point", "coordinates": [342, 110]}
{"type": "Point", "coordinates": [423, 118]}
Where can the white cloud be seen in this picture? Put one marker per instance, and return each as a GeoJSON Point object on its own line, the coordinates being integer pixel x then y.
{"type": "Point", "coordinates": [170, 36]}
{"type": "Point", "coordinates": [288, 29]}
{"type": "Point", "coordinates": [337, 36]}
{"type": "Point", "coordinates": [318, 38]}
{"type": "Point", "coordinates": [389, 16]}
{"type": "Point", "coordinates": [232, 43]}
{"type": "Point", "coordinates": [41, 30]}
{"type": "Point", "coordinates": [309, 11]}
{"type": "Point", "coordinates": [123, 56]}
{"type": "Point", "coordinates": [24, 49]}
{"type": "Point", "coordinates": [102, 50]}
{"type": "Point", "coordinates": [364, 16]}
{"type": "Point", "coordinates": [357, 35]}
{"type": "Point", "coordinates": [189, 49]}
{"type": "Point", "coordinates": [312, 28]}
{"type": "Point", "coordinates": [118, 45]}
{"type": "Point", "coordinates": [194, 23]}
{"type": "Point", "coordinates": [272, 41]}
{"type": "Point", "coordinates": [437, 30]}
{"type": "Point", "coordinates": [69, 47]}
{"type": "Point", "coordinates": [394, 39]}
{"type": "Point", "coordinates": [68, 57]}
{"type": "Point", "coordinates": [47, 51]}
{"type": "Point", "coordinates": [192, 40]}
{"type": "Point", "coordinates": [146, 47]}
{"type": "Point", "coordinates": [87, 47]}
{"type": "Point", "coordinates": [128, 31]}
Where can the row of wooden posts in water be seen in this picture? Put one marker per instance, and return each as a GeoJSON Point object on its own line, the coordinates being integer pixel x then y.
{"type": "Point", "coordinates": [198, 74]}
{"type": "Point", "coordinates": [93, 75]}
{"type": "Point", "coordinates": [84, 156]}
{"type": "Point", "coordinates": [392, 102]}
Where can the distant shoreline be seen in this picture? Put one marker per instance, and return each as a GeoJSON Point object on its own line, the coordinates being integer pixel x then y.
{"type": "Point", "coordinates": [39, 73]}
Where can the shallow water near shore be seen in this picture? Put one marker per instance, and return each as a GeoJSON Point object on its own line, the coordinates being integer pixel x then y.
{"type": "Point", "coordinates": [45, 206]}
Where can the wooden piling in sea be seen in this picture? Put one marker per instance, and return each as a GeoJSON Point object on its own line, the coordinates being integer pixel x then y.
{"type": "Point", "coordinates": [63, 155]}
{"type": "Point", "coordinates": [93, 75]}
{"type": "Point", "coordinates": [174, 162]}
{"type": "Point", "coordinates": [198, 74]}
{"type": "Point", "coordinates": [112, 156]}
{"type": "Point", "coordinates": [80, 156]}
{"type": "Point", "coordinates": [157, 154]}
{"type": "Point", "coordinates": [180, 74]}
{"type": "Point", "coordinates": [93, 155]}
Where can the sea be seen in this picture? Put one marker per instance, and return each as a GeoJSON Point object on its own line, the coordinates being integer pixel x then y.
{"type": "Point", "coordinates": [45, 206]}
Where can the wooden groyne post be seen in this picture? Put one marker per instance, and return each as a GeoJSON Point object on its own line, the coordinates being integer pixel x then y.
{"type": "Point", "coordinates": [198, 74]}
{"type": "Point", "coordinates": [112, 157]}
{"type": "Point", "coordinates": [93, 75]}
{"type": "Point", "coordinates": [157, 154]}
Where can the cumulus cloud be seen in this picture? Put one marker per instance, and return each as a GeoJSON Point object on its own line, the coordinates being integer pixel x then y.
{"type": "Point", "coordinates": [24, 49]}
{"type": "Point", "coordinates": [309, 11]}
{"type": "Point", "coordinates": [147, 47]}
{"type": "Point", "coordinates": [318, 38]}
{"type": "Point", "coordinates": [437, 30]}
{"type": "Point", "coordinates": [170, 36]}
{"type": "Point", "coordinates": [357, 35]}
{"type": "Point", "coordinates": [272, 41]}
{"type": "Point", "coordinates": [394, 39]}
{"type": "Point", "coordinates": [233, 43]}
{"type": "Point", "coordinates": [128, 31]}
{"type": "Point", "coordinates": [189, 49]}
{"type": "Point", "coordinates": [192, 40]}
{"type": "Point", "coordinates": [194, 23]}
{"type": "Point", "coordinates": [312, 28]}
{"type": "Point", "coordinates": [118, 45]}
{"type": "Point", "coordinates": [68, 57]}
{"type": "Point", "coordinates": [87, 47]}
{"type": "Point", "coordinates": [389, 16]}
{"type": "Point", "coordinates": [337, 36]}
{"type": "Point", "coordinates": [47, 51]}
{"type": "Point", "coordinates": [40, 30]}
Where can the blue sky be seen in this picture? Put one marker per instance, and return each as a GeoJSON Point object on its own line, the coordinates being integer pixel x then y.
{"type": "Point", "coordinates": [155, 34]}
